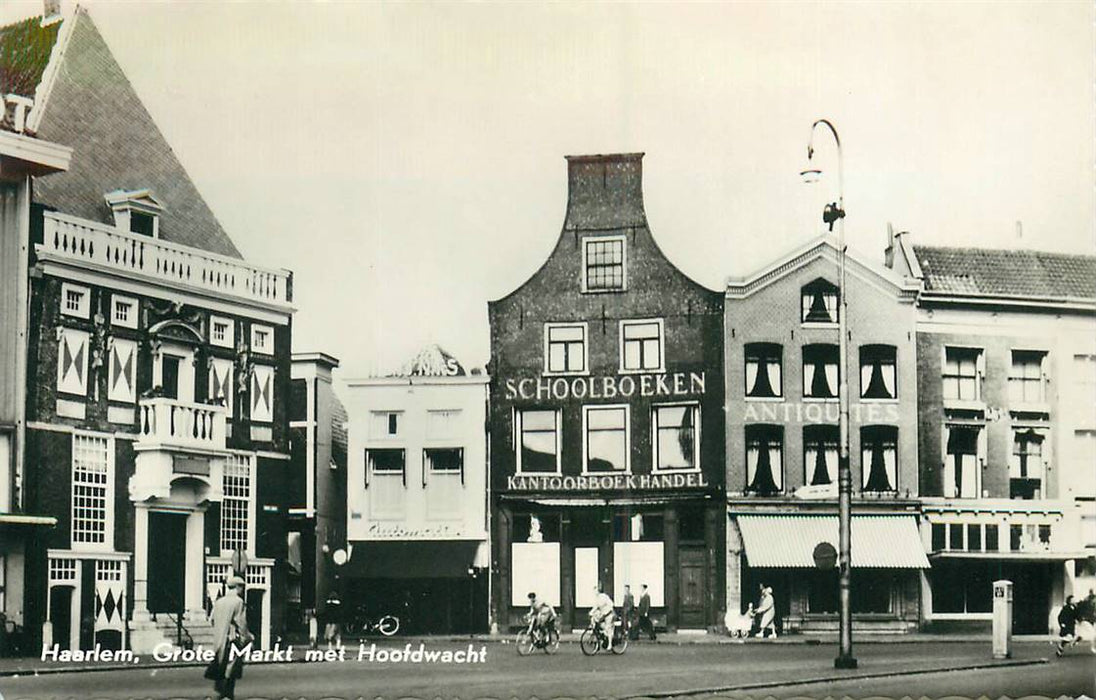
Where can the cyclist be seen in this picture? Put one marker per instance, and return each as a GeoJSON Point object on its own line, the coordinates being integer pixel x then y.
{"type": "Point", "coordinates": [603, 615]}
{"type": "Point", "coordinates": [542, 616]}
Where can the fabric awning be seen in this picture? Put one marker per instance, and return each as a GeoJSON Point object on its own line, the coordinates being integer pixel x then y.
{"type": "Point", "coordinates": [406, 559]}
{"type": "Point", "coordinates": [788, 541]}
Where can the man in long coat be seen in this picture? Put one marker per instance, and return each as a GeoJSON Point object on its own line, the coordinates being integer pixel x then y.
{"type": "Point", "coordinates": [229, 626]}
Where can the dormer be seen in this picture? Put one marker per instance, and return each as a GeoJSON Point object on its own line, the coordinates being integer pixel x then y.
{"type": "Point", "coordinates": [136, 211]}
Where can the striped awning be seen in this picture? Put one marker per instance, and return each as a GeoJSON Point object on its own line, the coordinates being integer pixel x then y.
{"type": "Point", "coordinates": [788, 541]}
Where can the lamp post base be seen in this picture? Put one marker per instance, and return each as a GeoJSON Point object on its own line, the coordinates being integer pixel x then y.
{"type": "Point", "coordinates": [844, 662]}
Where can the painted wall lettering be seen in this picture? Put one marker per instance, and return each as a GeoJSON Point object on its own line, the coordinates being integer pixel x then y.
{"type": "Point", "coordinates": [792, 412]}
{"type": "Point", "coordinates": [626, 386]}
{"type": "Point", "coordinates": [604, 482]}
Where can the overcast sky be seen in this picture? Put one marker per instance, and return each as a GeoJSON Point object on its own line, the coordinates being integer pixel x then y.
{"type": "Point", "coordinates": [406, 160]}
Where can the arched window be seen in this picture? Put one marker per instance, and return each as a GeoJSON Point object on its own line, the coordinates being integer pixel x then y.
{"type": "Point", "coordinates": [819, 302]}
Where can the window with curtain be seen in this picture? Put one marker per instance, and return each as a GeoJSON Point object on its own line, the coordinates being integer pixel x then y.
{"type": "Point", "coordinates": [1026, 466]}
{"type": "Point", "coordinates": [763, 370]}
{"type": "Point", "coordinates": [537, 441]}
{"type": "Point", "coordinates": [606, 438]}
{"type": "Point", "coordinates": [879, 458]}
{"type": "Point", "coordinates": [1026, 378]}
{"type": "Point", "coordinates": [962, 463]}
{"type": "Point", "coordinates": [878, 373]}
{"type": "Point", "coordinates": [820, 451]}
{"type": "Point", "coordinates": [764, 459]}
{"type": "Point", "coordinates": [819, 302]}
{"type": "Point", "coordinates": [962, 373]}
{"type": "Point", "coordinates": [820, 373]}
{"type": "Point", "coordinates": [675, 433]}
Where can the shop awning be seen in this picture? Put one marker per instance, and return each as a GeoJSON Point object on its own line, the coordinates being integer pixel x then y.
{"type": "Point", "coordinates": [411, 559]}
{"type": "Point", "coordinates": [18, 519]}
{"type": "Point", "coordinates": [788, 541]}
{"type": "Point", "coordinates": [1015, 556]}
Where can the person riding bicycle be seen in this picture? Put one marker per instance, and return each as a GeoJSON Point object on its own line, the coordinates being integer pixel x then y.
{"type": "Point", "coordinates": [603, 614]}
{"type": "Point", "coordinates": [542, 616]}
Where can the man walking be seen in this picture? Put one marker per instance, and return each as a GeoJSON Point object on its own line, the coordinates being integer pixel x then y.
{"type": "Point", "coordinates": [628, 606]}
{"type": "Point", "coordinates": [645, 614]}
{"type": "Point", "coordinates": [229, 629]}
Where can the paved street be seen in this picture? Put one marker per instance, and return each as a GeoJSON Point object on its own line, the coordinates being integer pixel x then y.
{"type": "Point", "coordinates": [643, 670]}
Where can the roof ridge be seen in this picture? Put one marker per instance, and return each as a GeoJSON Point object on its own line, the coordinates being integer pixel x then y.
{"type": "Point", "coordinates": [1033, 251]}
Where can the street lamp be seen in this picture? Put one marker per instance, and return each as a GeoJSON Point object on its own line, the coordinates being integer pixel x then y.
{"type": "Point", "coordinates": [834, 212]}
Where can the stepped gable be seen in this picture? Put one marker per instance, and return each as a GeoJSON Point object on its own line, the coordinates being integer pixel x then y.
{"type": "Point", "coordinates": [92, 107]}
{"type": "Point", "coordinates": [992, 271]}
{"type": "Point", "coordinates": [25, 49]}
{"type": "Point", "coordinates": [431, 361]}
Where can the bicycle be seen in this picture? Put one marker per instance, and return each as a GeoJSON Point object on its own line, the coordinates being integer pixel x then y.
{"type": "Point", "coordinates": [593, 639]}
{"type": "Point", "coordinates": [533, 637]}
{"type": "Point", "coordinates": [361, 625]}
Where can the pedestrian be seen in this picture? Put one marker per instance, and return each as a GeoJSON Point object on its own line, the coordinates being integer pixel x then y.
{"type": "Point", "coordinates": [1067, 625]}
{"type": "Point", "coordinates": [645, 614]}
{"type": "Point", "coordinates": [332, 630]}
{"type": "Point", "coordinates": [229, 631]}
{"type": "Point", "coordinates": [765, 613]}
{"type": "Point", "coordinates": [628, 607]}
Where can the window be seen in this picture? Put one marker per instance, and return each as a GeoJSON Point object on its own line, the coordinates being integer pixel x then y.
{"type": "Point", "coordinates": [878, 377]}
{"type": "Point", "coordinates": [237, 512]}
{"type": "Point", "coordinates": [262, 393]}
{"type": "Point", "coordinates": [764, 459]}
{"type": "Point", "coordinates": [385, 424]}
{"type": "Point", "coordinates": [879, 458]}
{"type": "Point", "coordinates": [123, 311]}
{"type": "Point", "coordinates": [222, 331]}
{"type": "Point", "coordinates": [819, 302]}
{"type": "Point", "coordinates": [820, 448]}
{"type": "Point", "coordinates": [385, 462]}
{"type": "Point", "coordinates": [72, 362]}
{"type": "Point", "coordinates": [1027, 380]}
{"type": "Point", "coordinates": [820, 374]}
{"type": "Point", "coordinates": [220, 382]}
{"type": "Point", "coordinates": [262, 339]}
{"type": "Point", "coordinates": [173, 371]}
{"type": "Point", "coordinates": [676, 435]}
{"type": "Point", "coordinates": [603, 263]}
{"type": "Point", "coordinates": [75, 300]}
{"type": "Point", "coordinates": [764, 378]}
{"type": "Point", "coordinates": [1026, 468]}
{"type": "Point", "coordinates": [92, 485]}
{"type": "Point", "coordinates": [1031, 537]}
{"type": "Point", "coordinates": [963, 370]}
{"type": "Point", "coordinates": [122, 370]}
{"type": "Point", "coordinates": [963, 457]}
{"type": "Point", "coordinates": [606, 445]}
{"type": "Point", "coordinates": [565, 348]}
{"type": "Point", "coordinates": [536, 437]}
{"type": "Point", "coordinates": [444, 460]}
{"type": "Point", "coordinates": [641, 346]}
{"type": "Point", "coordinates": [442, 425]}
{"type": "Point", "coordinates": [142, 223]}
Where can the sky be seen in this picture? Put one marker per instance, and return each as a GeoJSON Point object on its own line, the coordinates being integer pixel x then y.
{"type": "Point", "coordinates": [406, 160]}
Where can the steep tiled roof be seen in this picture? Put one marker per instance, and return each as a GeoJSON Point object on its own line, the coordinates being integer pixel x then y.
{"type": "Point", "coordinates": [991, 271]}
{"type": "Point", "coordinates": [24, 54]}
{"type": "Point", "coordinates": [93, 108]}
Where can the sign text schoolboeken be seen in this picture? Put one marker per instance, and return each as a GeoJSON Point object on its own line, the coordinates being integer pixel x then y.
{"type": "Point", "coordinates": [605, 482]}
{"type": "Point", "coordinates": [625, 386]}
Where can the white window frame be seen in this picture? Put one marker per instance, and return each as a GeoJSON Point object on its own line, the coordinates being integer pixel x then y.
{"type": "Point", "coordinates": [518, 421]}
{"type": "Point", "coordinates": [229, 339]}
{"type": "Point", "coordinates": [548, 328]}
{"type": "Point", "coordinates": [186, 369]}
{"type": "Point", "coordinates": [586, 410]}
{"type": "Point", "coordinates": [623, 263]}
{"type": "Point", "coordinates": [247, 459]}
{"type": "Point", "coordinates": [376, 418]}
{"type": "Point", "coordinates": [117, 303]}
{"type": "Point", "coordinates": [107, 544]}
{"type": "Point", "coordinates": [979, 373]}
{"type": "Point", "coordinates": [695, 406]}
{"type": "Point", "coordinates": [1014, 378]}
{"type": "Point", "coordinates": [262, 348]}
{"type": "Point", "coordinates": [83, 306]}
{"type": "Point", "coordinates": [661, 345]}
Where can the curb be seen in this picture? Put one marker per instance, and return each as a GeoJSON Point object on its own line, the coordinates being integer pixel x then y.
{"type": "Point", "coordinates": [829, 679]}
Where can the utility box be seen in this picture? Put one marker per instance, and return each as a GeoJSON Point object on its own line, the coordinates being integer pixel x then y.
{"type": "Point", "coordinates": [1002, 619]}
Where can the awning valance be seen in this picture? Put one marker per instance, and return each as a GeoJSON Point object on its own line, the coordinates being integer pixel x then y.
{"type": "Point", "coordinates": [788, 541]}
{"type": "Point", "coordinates": [19, 519]}
{"type": "Point", "coordinates": [406, 559]}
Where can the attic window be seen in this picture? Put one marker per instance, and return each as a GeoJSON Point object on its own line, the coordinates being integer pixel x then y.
{"type": "Point", "coordinates": [136, 211]}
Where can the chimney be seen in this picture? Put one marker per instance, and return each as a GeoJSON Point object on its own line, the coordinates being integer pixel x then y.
{"type": "Point", "coordinates": [51, 12]}
{"type": "Point", "coordinates": [605, 192]}
{"type": "Point", "coordinates": [888, 252]}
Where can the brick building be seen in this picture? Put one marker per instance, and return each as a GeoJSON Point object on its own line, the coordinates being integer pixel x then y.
{"type": "Point", "coordinates": [158, 362]}
{"type": "Point", "coordinates": [782, 371]}
{"type": "Point", "coordinates": [606, 418]}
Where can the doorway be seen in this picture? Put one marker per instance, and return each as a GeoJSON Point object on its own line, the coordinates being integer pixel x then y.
{"type": "Point", "coordinates": [60, 614]}
{"type": "Point", "coordinates": [166, 561]}
{"type": "Point", "coordinates": [693, 588]}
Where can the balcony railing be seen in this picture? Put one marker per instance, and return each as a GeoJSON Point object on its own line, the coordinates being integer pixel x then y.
{"type": "Point", "coordinates": [174, 423]}
{"type": "Point", "coordinates": [70, 239]}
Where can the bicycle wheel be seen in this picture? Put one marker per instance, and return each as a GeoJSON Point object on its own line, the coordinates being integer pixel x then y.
{"type": "Point", "coordinates": [525, 642]}
{"type": "Point", "coordinates": [551, 644]}
{"type": "Point", "coordinates": [590, 641]}
{"type": "Point", "coordinates": [388, 625]}
{"type": "Point", "coordinates": [620, 641]}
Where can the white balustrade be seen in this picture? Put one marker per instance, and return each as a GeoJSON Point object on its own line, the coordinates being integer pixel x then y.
{"type": "Point", "coordinates": [174, 423]}
{"type": "Point", "coordinates": [71, 239]}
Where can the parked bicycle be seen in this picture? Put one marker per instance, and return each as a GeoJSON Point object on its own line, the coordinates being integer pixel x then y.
{"type": "Point", "coordinates": [533, 637]}
{"type": "Point", "coordinates": [361, 624]}
{"type": "Point", "coordinates": [593, 639]}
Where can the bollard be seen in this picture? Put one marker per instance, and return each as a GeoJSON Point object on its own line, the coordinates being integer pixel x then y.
{"type": "Point", "coordinates": [1002, 619]}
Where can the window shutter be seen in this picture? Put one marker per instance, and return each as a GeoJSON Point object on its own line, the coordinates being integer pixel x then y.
{"type": "Point", "coordinates": [72, 362]}
{"type": "Point", "coordinates": [980, 371]}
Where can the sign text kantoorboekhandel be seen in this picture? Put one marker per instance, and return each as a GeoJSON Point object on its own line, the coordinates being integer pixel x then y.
{"type": "Point", "coordinates": [625, 386]}
{"type": "Point", "coordinates": [606, 482]}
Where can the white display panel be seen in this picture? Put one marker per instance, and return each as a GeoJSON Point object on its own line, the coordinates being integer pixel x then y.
{"type": "Point", "coordinates": [586, 576]}
{"type": "Point", "coordinates": [534, 568]}
{"type": "Point", "coordinates": [638, 563]}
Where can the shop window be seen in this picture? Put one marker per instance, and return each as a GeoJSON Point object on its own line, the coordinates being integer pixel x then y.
{"type": "Point", "coordinates": [221, 331]}
{"type": "Point", "coordinates": [820, 452]}
{"type": "Point", "coordinates": [764, 376]}
{"type": "Point", "coordinates": [963, 589]}
{"type": "Point", "coordinates": [603, 261]}
{"type": "Point", "coordinates": [974, 537]}
{"type": "Point", "coordinates": [963, 458]}
{"type": "Point", "coordinates": [992, 544]}
{"type": "Point", "coordinates": [565, 348]}
{"type": "Point", "coordinates": [536, 437]}
{"type": "Point", "coordinates": [873, 591]}
{"type": "Point", "coordinates": [878, 372]}
{"type": "Point", "coordinates": [641, 346]}
{"type": "Point", "coordinates": [1029, 538]}
{"type": "Point", "coordinates": [822, 594]}
{"type": "Point", "coordinates": [92, 492]}
{"type": "Point", "coordinates": [675, 430]}
{"type": "Point", "coordinates": [606, 445]}
{"type": "Point", "coordinates": [1027, 377]}
{"type": "Point", "coordinates": [1027, 466]}
{"type": "Point", "coordinates": [955, 538]}
{"type": "Point", "coordinates": [237, 507]}
{"type": "Point", "coordinates": [963, 371]}
{"type": "Point", "coordinates": [636, 564]}
{"type": "Point", "coordinates": [123, 311]}
{"type": "Point", "coordinates": [820, 373]}
{"type": "Point", "coordinates": [939, 536]}
{"type": "Point", "coordinates": [879, 457]}
{"type": "Point", "coordinates": [819, 302]}
{"type": "Point", "coordinates": [385, 424]}
{"type": "Point", "coordinates": [536, 527]}
{"type": "Point", "coordinates": [637, 527]}
{"type": "Point", "coordinates": [764, 459]}
{"type": "Point", "coordinates": [75, 300]}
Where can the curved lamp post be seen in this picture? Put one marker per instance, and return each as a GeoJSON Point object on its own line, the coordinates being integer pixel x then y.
{"type": "Point", "coordinates": [834, 212]}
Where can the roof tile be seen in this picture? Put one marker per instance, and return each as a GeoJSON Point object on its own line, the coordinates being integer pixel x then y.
{"type": "Point", "coordinates": [1000, 272]}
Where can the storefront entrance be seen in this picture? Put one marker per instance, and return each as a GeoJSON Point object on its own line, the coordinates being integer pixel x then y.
{"type": "Point", "coordinates": [693, 587]}
{"type": "Point", "coordinates": [166, 561]}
